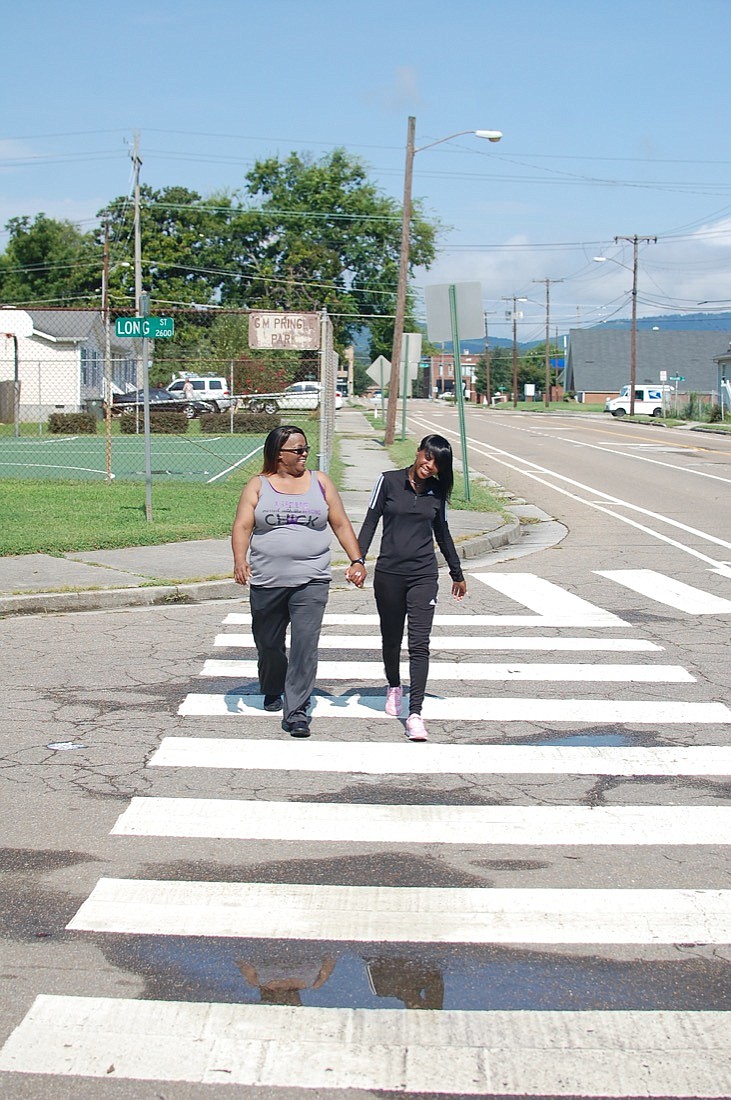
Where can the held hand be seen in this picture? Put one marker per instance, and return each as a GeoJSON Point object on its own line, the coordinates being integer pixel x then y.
{"type": "Point", "coordinates": [459, 590]}
{"type": "Point", "coordinates": [356, 574]}
{"type": "Point", "coordinates": [242, 572]}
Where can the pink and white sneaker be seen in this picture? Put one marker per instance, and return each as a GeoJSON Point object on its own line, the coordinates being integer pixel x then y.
{"type": "Point", "coordinates": [415, 728]}
{"type": "Point", "coordinates": [394, 699]}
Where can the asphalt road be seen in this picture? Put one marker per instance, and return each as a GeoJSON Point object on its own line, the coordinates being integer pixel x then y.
{"type": "Point", "coordinates": [199, 900]}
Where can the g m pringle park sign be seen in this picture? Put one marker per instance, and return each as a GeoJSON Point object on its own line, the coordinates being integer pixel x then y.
{"type": "Point", "coordinates": [273, 330]}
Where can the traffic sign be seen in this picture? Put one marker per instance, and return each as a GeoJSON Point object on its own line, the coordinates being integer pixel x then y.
{"type": "Point", "coordinates": [154, 328]}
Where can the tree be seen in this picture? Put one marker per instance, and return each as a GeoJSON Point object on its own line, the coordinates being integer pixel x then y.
{"type": "Point", "coordinates": [303, 234]}
{"type": "Point", "coordinates": [48, 263]}
{"type": "Point", "coordinates": [501, 371]}
{"type": "Point", "coordinates": [323, 236]}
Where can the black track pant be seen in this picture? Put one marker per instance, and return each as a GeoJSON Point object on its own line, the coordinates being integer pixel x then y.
{"type": "Point", "coordinates": [272, 611]}
{"type": "Point", "coordinates": [399, 597]}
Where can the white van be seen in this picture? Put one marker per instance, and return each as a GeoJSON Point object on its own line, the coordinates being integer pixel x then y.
{"type": "Point", "coordinates": [650, 400]}
{"type": "Point", "coordinates": [214, 390]}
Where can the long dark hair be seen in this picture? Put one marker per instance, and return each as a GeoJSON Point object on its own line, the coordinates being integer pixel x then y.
{"type": "Point", "coordinates": [439, 449]}
{"type": "Point", "coordinates": [274, 443]}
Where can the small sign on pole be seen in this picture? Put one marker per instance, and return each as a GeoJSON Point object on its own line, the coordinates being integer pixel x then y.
{"type": "Point", "coordinates": [141, 328]}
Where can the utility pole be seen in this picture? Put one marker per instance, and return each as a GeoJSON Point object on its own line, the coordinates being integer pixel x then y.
{"type": "Point", "coordinates": [403, 271]}
{"type": "Point", "coordinates": [635, 241]}
{"type": "Point", "coordinates": [137, 240]}
{"type": "Point", "coordinates": [515, 299]}
{"type": "Point", "coordinates": [547, 387]}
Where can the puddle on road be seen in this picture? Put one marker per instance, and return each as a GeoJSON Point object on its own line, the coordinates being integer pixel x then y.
{"type": "Point", "coordinates": [616, 738]}
{"type": "Point", "coordinates": [446, 977]}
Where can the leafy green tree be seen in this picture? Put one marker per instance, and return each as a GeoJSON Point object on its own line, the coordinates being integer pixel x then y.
{"type": "Point", "coordinates": [323, 236]}
{"type": "Point", "coordinates": [48, 262]}
{"type": "Point", "coordinates": [532, 366]}
{"type": "Point", "coordinates": [303, 234]}
{"type": "Point", "coordinates": [501, 371]}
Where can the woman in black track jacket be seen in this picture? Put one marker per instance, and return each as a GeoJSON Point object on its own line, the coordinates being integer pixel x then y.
{"type": "Point", "coordinates": [413, 506]}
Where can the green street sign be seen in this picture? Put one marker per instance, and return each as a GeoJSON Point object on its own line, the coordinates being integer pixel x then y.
{"type": "Point", "coordinates": [136, 328]}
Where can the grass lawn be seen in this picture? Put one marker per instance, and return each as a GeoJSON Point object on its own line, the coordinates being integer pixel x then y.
{"type": "Point", "coordinates": [57, 517]}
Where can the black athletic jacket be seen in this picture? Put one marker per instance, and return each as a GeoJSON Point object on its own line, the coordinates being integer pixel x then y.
{"type": "Point", "coordinates": [411, 523]}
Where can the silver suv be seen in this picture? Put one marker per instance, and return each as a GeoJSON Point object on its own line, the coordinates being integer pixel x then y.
{"type": "Point", "coordinates": [214, 390]}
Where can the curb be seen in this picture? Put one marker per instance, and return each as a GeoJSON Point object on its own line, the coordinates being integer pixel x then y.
{"type": "Point", "coordinates": [105, 599]}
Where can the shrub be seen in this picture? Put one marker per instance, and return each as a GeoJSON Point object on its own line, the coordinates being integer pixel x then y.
{"type": "Point", "coordinates": [166, 423]}
{"type": "Point", "coordinates": [72, 424]}
{"type": "Point", "coordinates": [714, 414]}
{"type": "Point", "coordinates": [244, 423]}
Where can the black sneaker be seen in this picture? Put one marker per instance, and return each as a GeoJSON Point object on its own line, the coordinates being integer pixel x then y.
{"type": "Point", "coordinates": [299, 728]}
{"type": "Point", "coordinates": [272, 702]}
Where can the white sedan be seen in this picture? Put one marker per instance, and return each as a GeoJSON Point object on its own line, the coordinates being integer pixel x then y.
{"type": "Point", "coordinates": [300, 396]}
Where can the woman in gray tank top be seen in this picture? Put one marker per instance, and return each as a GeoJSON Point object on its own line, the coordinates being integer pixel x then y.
{"type": "Point", "coordinates": [281, 546]}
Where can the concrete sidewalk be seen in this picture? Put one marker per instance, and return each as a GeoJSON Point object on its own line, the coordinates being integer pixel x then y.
{"type": "Point", "coordinates": [185, 572]}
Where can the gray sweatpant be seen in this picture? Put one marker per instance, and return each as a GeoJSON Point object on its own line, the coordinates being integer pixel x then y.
{"type": "Point", "coordinates": [272, 611]}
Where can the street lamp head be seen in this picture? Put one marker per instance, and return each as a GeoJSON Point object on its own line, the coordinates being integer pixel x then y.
{"type": "Point", "coordinates": [599, 259]}
{"type": "Point", "coordinates": [491, 135]}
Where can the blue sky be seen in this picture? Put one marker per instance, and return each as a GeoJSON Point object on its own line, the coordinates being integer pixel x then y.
{"type": "Point", "coordinates": [615, 116]}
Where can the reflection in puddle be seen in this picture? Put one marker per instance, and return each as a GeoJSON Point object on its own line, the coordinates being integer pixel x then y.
{"type": "Point", "coordinates": [282, 981]}
{"type": "Point", "coordinates": [404, 980]}
{"type": "Point", "coordinates": [423, 977]}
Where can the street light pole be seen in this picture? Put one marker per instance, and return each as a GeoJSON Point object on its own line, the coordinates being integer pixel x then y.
{"type": "Point", "coordinates": [403, 268]}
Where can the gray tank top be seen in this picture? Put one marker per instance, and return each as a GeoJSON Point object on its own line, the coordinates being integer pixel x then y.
{"type": "Point", "coordinates": [290, 543]}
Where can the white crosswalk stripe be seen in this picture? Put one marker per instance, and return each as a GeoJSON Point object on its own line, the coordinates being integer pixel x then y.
{"type": "Point", "coordinates": [598, 1054]}
{"type": "Point", "coordinates": [612, 1054]}
{"type": "Point", "coordinates": [387, 914]}
{"type": "Point", "coordinates": [455, 671]}
{"type": "Point", "coordinates": [236, 819]}
{"type": "Point", "coordinates": [668, 591]}
{"type": "Point", "coordinates": [472, 709]}
{"type": "Point", "coordinates": [387, 758]}
{"type": "Point", "coordinates": [464, 642]}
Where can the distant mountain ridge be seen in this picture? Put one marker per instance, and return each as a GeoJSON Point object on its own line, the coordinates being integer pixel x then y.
{"type": "Point", "coordinates": [686, 322]}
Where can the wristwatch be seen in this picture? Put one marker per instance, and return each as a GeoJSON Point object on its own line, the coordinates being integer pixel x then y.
{"type": "Point", "coordinates": [358, 561]}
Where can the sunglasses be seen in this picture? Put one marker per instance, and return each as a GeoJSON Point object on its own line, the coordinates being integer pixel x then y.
{"type": "Point", "coordinates": [294, 450]}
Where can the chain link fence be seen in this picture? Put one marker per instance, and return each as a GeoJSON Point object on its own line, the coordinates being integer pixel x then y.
{"type": "Point", "coordinates": [72, 403]}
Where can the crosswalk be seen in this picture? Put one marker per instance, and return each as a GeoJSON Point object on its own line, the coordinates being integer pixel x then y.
{"type": "Point", "coordinates": [295, 1040]}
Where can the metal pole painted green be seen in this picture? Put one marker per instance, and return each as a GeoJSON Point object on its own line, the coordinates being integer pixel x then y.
{"type": "Point", "coordinates": [458, 386]}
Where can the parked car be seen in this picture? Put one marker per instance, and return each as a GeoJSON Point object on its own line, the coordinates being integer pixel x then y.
{"type": "Point", "coordinates": [214, 390]}
{"type": "Point", "coordinates": [300, 396]}
{"type": "Point", "coordinates": [160, 400]}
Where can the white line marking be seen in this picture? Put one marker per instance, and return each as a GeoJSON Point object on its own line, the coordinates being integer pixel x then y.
{"type": "Point", "coordinates": [466, 643]}
{"type": "Point", "coordinates": [535, 469]}
{"type": "Point", "coordinates": [400, 914]}
{"type": "Point", "coordinates": [667, 447]}
{"type": "Point", "coordinates": [485, 710]}
{"type": "Point", "coordinates": [545, 598]}
{"type": "Point", "coordinates": [384, 758]}
{"type": "Point", "coordinates": [466, 672]}
{"type": "Point", "coordinates": [309, 822]}
{"type": "Point", "coordinates": [667, 590]}
{"type": "Point", "coordinates": [235, 466]}
{"type": "Point", "coordinates": [602, 619]}
{"type": "Point", "coordinates": [594, 1054]}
